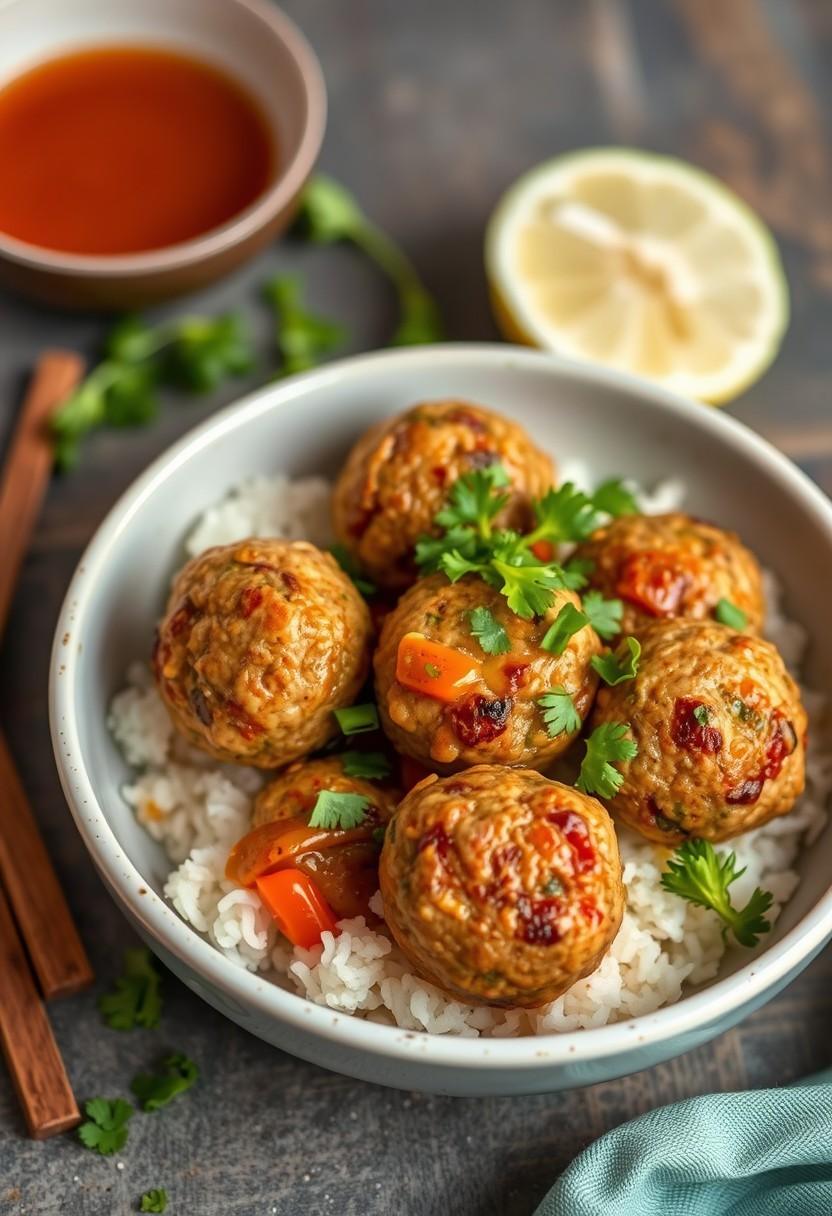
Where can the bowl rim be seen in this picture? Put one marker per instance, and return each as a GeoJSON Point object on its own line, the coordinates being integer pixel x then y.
{"type": "Point", "coordinates": [695, 1012]}
{"type": "Point", "coordinates": [241, 226]}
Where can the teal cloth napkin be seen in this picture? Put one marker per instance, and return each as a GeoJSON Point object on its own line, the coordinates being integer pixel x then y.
{"type": "Point", "coordinates": [762, 1153]}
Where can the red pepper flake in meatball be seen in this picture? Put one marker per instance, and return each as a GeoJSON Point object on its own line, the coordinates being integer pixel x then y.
{"type": "Point", "coordinates": [182, 618]}
{"type": "Point", "coordinates": [651, 580]}
{"type": "Point", "coordinates": [781, 744]}
{"type": "Point", "coordinates": [438, 839]}
{"type": "Point", "coordinates": [538, 921]}
{"type": "Point", "coordinates": [479, 719]}
{"type": "Point", "coordinates": [515, 675]}
{"type": "Point", "coordinates": [241, 721]}
{"type": "Point", "coordinates": [689, 728]}
{"type": "Point", "coordinates": [574, 829]}
{"type": "Point", "coordinates": [250, 600]}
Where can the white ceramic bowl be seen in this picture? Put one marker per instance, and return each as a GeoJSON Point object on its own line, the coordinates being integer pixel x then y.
{"type": "Point", "coordinates": [305, 425]}
{"type": "Point", "coordinates": [254, 43]}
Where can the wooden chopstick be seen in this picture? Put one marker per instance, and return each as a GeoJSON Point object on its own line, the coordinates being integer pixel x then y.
{"type": "Point", "coordinates": [28, 1043]}
{"type": "Point", "coordinates": [42, 913]}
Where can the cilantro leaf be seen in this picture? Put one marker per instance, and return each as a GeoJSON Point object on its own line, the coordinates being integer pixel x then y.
{"type": "Point", "coordinates": [619, 665]}
{"type": "Point", "coordinates": [302, 338]}
{"type": "Point", "coordinates": [576, 572]}
{"type": "Point", "coordinates": [608, 742]}
{"type": "Point", "coordinates": [154, 1200]}
{"type": "Point", "coordinates": [204, 351]}
{"type": "Point", "coordinates": [328, 212]}
{"type": "Point", "coordinates": [352, 569]}
{"type": "Point", "coordinates": [697, 873]}
{"type": "Point", "coordinates": [473, 501]}
{"type": "Point", "coordinates": [729, 614]}
{"type": "Point", "coordinates": [569, 621]}
{"type": "Point", "coordinates": [559, 712]}
{"type": "Point", "coordinates": [613, 498]}
{"type": "Point", "coordinates": [105, 1129]}
{"type": "Point", "coordinates": [373, 766]}
{"type": "Point", "coordinates": [135, 1000]}
{"type": "Point", "coordinates": [430, 550]}
{"type": "Point", "coordinates": [603, 615]}
{"type": "Point", "coordinates": [155, 1090]}
{"type": "Point", "coordinates": [565, 514]}
{"type": "Point", "coordinates": [488, 631]}
{"type": "Point", "coordinates": [333, 810]}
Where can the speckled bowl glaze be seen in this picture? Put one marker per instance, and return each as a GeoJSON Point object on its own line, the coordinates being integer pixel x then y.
{"type": "Point", "coordinates": [306, 425]}
{"type": "Point", "coordinates": [253, 42]}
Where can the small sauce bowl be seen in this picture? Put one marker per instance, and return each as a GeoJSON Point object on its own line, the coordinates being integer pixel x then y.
{"type": "Point", "coordinates": [252, 42]}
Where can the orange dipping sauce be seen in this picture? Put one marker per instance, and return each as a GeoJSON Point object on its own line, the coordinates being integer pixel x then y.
{"type": "Point", "coordinates": [126, 149]}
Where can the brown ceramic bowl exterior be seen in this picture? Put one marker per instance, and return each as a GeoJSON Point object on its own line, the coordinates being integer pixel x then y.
{"type": "Point", "coordinates": [136, 281]}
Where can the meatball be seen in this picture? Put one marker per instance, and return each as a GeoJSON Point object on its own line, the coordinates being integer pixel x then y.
{"type": "Point", "coordinates": [672, 566]}
{"type": "Point", "coordinates": [501, 886]}
{"type": "Point", "coordinates": [495, 715]}
{"type": "Point", "coordinates": [720, 730]}
{"type": "Point", "coordinates": [294, 791]}
{"type": "Point", "coordinates": [261, 641]}
{"type": "Point", "coordinates": [398, 475]}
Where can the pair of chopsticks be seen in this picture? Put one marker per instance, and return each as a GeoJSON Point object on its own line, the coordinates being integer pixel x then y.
{"type": "Point", "coordinates": [33, 909]}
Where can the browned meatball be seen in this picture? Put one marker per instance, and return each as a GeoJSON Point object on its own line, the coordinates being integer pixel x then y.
{"type": "Point", "coordinates": [494, 715]}
{"type": "Point", "coordinates": [398, 475]}
{"type": "Point", "coordinates": [294, 792]}
{"type": "Point", "coordinates": [261, 641]}
{"type": "Point", "coordinates": [672, 566]}
{"type": "Point", "coordinates": [720, 731]}
{"type": "Point", "coordinates": [501, 886]}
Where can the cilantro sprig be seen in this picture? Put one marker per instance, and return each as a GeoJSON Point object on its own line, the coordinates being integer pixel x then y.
{"type": "Point", "coordinates": [155, 1090]}
{"type": "Point", "coordinates": [135, 1000]}
{"type": "Point", "coordinates": [329, 213]}
{"type": "Point", "coordinates": [154, 1200]}
{"type": "Point", "coordinates": [302, 338]}
{"type": "Point", "coordinates": [488, 631]}
{"type": "Point", "coordinates": [470, 543]}
{"type": "Point", "coordinates": [559, 712]}
{"type": "Point", "coordinates": [194, 353]}
{"type": "Point", "coordinates": [618, 665]}
{"type": "Point", "coordinates": [697, 873]}
{"type": "Point", "coordinates": [609, 743]}
{"type": "Point", "coordinates": [105, 1128]}
{"type": "Point", "coordinates": [338, 810]}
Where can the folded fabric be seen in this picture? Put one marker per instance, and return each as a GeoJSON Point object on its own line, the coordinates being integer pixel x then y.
{"type": "Point", "coordinates": [761, 1153]}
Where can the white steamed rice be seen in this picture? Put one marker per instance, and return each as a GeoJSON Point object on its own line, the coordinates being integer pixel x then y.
{"type": "Point", "coordinates": [197, 809]}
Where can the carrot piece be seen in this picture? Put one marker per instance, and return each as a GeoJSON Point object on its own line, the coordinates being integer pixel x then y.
{"type": "Point", "coordinates": [433, 669]}
{"type": "Point", "coordinates": [274, 845]}
{"type": "Point", "coordinates": [543, 550]}
{"type": "Point", "coordinates": [301, 912]}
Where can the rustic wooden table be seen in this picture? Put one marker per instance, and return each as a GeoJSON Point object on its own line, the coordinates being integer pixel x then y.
{"type": "Point", "coordinates": [434, 109]}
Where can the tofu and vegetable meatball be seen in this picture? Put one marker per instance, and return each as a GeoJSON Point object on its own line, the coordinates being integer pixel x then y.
{"type": "Point", "coordinates": [501, 886]}
{"type": "Point", "coordinates": [339, 864]}
{"type": "Point", "coordinates": [398, 475]}
{"type": "Point", "coordinates": [447, 703]}
{"type": "Point", "coordinates": [720, 731]}
{"type": "Point", "coordinates": [295, 791]}
{"type": "Point", "coordinates": [261, 641]}
{"type": "Point", "coordinates": [668, 566]}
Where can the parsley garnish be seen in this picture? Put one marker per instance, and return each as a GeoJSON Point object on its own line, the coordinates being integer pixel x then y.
{"type": "Point", "coordinates": [559, 712]}
{"type": "Point", "coordinates": [352, 569]}
{"type": "Point", "coordinates": [488, 631]}
{"type": "Point", "coordinates": [565, 514]}
{"type": "Point", "coordinates": [105, 1129]}
{"type": "Point", "coordinates": [569, 621]}
{"type": "Point", "coordinates": [473, 502]}
{"type": "Point", "coordinates": [330, 213]}
{"type": "Point", "coordinates": [303, 339]}
{"type": "Point", "coordinates": [698, 874]}
{"type": "Point", "coordinates": [333, 810]}
{"type": "Point", "coordinates": [619, 665]}
{"type": "Point", "coordinates": [135, 1000]}
{"type": "Point", "coordinates": [155, 1200]}
{"type": "Point", "coordinates": [729, 614]}
{"type": "Point", "coordinates": [608, 742]}
{"type": "Point", "coordinates": [196, 353]}
{"type": "Point", "coordinates": [615, 499]}
{"type": "Point", "coordinates": [357, 719]}
{"type": "Point", "coordinates": [603, 615]}
{"type": "Point", "coordinates": [155, 1090]}
{"type": "Point", "coordinates": [373, 766]}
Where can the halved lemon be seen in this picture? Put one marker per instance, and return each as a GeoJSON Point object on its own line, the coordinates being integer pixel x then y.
{"type": "Point", "coordinates": [641, 262]}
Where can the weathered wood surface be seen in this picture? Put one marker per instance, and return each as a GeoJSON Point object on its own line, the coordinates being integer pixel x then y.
{"type": "Point", "coordinates": [435, 108]}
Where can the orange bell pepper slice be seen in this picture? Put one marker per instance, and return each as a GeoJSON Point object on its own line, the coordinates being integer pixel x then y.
{"type": "Point", "coordinates": [433, 669]}
{"type": "Point", "coordinates": [300, 911]}
{"type": "Point", "coordinates": [274, 845]}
